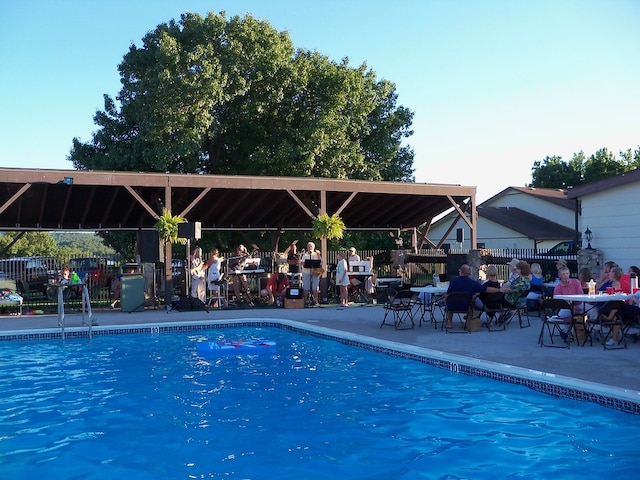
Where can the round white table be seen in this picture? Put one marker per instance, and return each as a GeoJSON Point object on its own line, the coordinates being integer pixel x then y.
{"type": "Point", "coordinates": [430, 295]}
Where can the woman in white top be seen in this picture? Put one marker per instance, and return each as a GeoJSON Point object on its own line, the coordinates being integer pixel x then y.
{"type": "Point", "coordinates": [214, 265]}
{"type": "Point", "coordinates": [342, 278]}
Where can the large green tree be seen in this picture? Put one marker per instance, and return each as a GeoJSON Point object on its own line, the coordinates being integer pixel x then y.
{"type": "Point", "coordinates": [553, 172]}
{"type": "Point", "coordinates": [218, 96]}
{"type": "Point", "coordinates": [27, 244]}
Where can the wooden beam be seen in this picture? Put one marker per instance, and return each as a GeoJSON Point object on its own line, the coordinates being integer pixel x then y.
{"type": "Point", "coordinates": [144, 204]}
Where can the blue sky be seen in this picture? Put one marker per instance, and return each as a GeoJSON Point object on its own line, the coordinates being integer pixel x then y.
{"type": "Point", "coordinates": [495, 85]}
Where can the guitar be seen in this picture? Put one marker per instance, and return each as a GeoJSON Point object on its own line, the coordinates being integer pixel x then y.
{"type": "Point", "coordinates": [195, 271]}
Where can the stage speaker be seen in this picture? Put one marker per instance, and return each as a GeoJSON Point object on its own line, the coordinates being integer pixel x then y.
{"type": "Point", "coordinates": [149, 246]}
{"type": "Point", "coordinates": [190, 303]}
{"type": "Point", "coordinates": [459, 235]}
{"type": "Point", "coordinates": [191, 230]}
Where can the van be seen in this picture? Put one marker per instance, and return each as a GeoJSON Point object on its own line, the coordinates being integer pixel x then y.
{"type": "Point", "coordinates": [30, 273]}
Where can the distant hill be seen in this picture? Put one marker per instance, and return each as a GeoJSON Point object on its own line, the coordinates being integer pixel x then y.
{"type": "Point", "coordinates": [83, 241]}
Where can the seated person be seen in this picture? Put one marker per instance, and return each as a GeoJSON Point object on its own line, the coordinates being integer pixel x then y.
{"type": "Point", "coordinates": [512, 269]}
{"type": "Point", "coordinates": [536, 293]}
{"type": "Point", "coordinates": [514, 291]}
{"type": "Point", "coordinates": [614, 277]}
{"type": "Point", "coordinates": [568, 286]}
{"type": "Point", "coordinates": [604, 276]}
{"type": "Point", "coordinates": [464, 283]}
{"type": "Point", "coordinates": [491, 301]}
{"type": "Point", "coordinates": [67, 277]}
{"type": "Point", "coordinates": [559, 264]}
{"type": "Point", "coordinates": [584, 275]}
{"type": "Point", "coordinates": [277, 288]}
{"type": "Point", "coordinates": [630, 313]}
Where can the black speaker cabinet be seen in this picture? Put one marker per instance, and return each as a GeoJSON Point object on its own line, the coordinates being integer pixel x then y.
{"type": "Point", "coordinates": [149, 246]}
{"type": "Point", "coordinates": [190, 230]}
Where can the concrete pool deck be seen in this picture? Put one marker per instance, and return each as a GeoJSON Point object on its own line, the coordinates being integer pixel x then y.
{"type": "Point", "coordinates": [516, 346]}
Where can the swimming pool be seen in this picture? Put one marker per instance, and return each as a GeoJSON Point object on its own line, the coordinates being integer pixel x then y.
{"type": "Point", "coordinates": [150, 407]}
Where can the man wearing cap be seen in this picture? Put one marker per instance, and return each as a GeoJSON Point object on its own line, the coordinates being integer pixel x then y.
{"type": "Point", "coordinates": [562, 263]}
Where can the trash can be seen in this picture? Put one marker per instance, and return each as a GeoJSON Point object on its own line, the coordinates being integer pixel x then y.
{"type": "Point", "coordinates": [132, 292]}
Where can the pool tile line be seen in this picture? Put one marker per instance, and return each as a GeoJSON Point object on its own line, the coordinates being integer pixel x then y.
{"type": "Point", "coordinates": [627, 401]}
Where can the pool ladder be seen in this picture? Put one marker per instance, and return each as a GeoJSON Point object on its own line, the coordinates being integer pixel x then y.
{"type": "Point", "coordinates": [86, 308]}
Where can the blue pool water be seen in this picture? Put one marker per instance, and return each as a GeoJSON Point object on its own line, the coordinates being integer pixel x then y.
{"type": "Point", "coordinates": [149, 407]}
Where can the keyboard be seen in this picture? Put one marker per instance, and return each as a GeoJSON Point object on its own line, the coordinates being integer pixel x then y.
{"type": "Point", "coordinates": [247, 272]}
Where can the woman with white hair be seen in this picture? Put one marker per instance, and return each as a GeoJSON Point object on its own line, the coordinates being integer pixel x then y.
{"type": "Point", "coordinates": [311, 276]}
{"type": "Point", "coordinates": [513, 271]}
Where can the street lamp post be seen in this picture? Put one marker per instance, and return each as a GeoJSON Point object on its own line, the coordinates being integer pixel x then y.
{"type": "Point", "coordinates": [588, 234]}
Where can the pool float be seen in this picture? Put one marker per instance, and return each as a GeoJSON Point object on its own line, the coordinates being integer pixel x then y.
{"type": "Point", "coordinates": [237, 347]}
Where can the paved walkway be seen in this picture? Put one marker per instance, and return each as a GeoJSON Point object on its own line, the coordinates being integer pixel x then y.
{"type": "Point", "coordinates": [515, 346]}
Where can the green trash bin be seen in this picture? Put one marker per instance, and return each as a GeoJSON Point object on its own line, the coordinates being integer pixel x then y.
{"type": "Point", "coordinates": [132, 293]}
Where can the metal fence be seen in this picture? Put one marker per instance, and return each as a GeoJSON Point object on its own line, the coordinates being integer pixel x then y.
{"type": "Point", "coordinates": [414, 268]}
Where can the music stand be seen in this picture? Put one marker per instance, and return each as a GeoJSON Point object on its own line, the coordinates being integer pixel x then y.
{"type": "Point", "coordinates": [311, 263]}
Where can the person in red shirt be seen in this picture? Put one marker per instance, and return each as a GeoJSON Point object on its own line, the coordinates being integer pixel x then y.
{"type": "Point", "coordinates": [625, 282]}
{"type": "Point", "coordinates": [568, 286]}
{"type": "Point", "coordinates": [277, 288]}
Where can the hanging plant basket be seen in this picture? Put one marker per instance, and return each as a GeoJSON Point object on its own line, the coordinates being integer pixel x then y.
{"type": "Point", "coordinates": [167, 226]}
{"type": "Point", "coordinates": [329, 227]}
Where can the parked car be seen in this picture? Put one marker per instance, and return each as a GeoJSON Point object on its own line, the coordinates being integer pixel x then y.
{"type": "Point", "coordinates": [30, 274]}
{"type": "Point", "coordinates": [568, 247]}
{"type": "Point", "coordinates": [97, 271]}
{"type": "Point", "coordinates": [53, 267]}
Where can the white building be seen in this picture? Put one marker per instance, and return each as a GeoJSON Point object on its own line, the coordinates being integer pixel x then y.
{"type": "Point", "coordinates": [517, 217]}
{"type": "Point", "coordinates": [608, 209]}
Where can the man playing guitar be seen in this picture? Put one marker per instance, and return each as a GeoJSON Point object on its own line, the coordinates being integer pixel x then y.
{"type": "Point", "coordinates": [197, 268]}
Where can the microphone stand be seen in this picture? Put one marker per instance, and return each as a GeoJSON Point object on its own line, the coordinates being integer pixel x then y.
{"type": "Point", "coordinates": [226, 288]}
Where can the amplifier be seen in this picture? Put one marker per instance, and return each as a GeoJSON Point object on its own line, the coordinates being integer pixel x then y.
{"type": "Point", "coordinates": [293, 293]}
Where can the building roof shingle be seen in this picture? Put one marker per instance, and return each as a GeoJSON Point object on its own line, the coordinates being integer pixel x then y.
{"type": "Point", "coordinates": [528, 224]}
